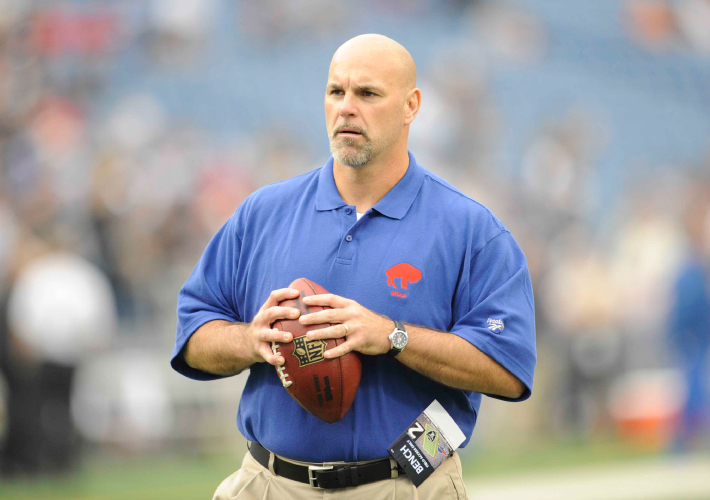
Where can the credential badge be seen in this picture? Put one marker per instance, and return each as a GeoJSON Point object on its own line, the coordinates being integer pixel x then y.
{"type": "Point", "coordinates": [308, 351]}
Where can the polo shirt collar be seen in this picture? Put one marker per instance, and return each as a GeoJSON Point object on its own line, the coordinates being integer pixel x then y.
{"type": "Point", "coordinates": [395, 204]}
{"type": "Point", "coordinates": [328, 197]}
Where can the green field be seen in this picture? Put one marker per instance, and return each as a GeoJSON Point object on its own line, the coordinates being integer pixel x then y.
{"type": "Point", "coordinates": [157, 477]}
{"type": "Point", "coordinates": [195, 477]}
{"type": "Point", "coordinates": [548, 456]}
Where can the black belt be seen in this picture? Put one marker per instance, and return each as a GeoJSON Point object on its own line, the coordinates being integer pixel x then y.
{"type": "Point", "coordinates": [326, 476]}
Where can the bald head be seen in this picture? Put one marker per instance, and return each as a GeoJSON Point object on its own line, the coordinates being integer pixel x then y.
{"type": "Point", "coordinates": [387, 58]}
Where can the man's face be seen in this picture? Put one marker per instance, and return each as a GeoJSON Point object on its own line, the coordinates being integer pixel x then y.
{"type": "Point", "coordinates": [364, 110]}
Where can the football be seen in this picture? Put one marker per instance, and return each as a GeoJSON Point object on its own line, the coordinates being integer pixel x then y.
{"type": "Point", "coordinates": [324, 387]}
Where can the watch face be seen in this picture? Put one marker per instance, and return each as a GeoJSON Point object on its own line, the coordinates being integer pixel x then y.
{"type": "Point", "coordinates": [399, 339]}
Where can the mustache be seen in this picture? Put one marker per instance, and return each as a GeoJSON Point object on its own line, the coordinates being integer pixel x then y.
{"type": "Point", "coordinates": [359, 130]}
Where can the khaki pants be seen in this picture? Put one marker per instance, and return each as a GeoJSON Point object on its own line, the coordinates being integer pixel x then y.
{"type": "Point", "coordinates": [254, 482]}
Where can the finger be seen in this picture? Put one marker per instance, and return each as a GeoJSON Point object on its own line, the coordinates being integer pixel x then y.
{"type": "Point", "coordinates": [267, 352]}
{"type": "Point", "coordinates": [338, 351]}
{"type": "Point", "coordinates": [278, 295]}
{"type": "Point", "coordinates": [325, 316]}
{"type": "Point", "coordinates": [327, 299]}
{"type": "Point", "coordinates": [332, 332]}
{"type": "Point", "coordinates": [274, 335]}
{"type": "Point", "coordinates": [273, 314]}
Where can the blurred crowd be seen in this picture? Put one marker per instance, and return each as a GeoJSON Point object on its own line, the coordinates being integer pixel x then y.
{"type": "Point", "coordinates": [111, 184]}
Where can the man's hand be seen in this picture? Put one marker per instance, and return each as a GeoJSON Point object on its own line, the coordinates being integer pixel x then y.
{"type": "Point", "coordinates": [367, 332]}
{"type": "Point", "coordinates": [224, 348]}
{"type": "Point", "coordinates": [260, 331]}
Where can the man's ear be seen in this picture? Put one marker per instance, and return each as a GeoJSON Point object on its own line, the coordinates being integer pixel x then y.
{"type": "Point", "coordinates": [412, 104]}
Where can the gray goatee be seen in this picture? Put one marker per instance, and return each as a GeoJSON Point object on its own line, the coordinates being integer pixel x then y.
{"type": "Point", "coordinates": [348, 152]}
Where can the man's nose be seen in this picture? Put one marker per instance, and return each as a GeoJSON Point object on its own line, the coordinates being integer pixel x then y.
{"type": "Point", "coordinates": [348, 106]}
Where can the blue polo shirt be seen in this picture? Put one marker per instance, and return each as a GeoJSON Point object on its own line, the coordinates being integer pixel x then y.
{"type": "Point", "coordinates": [425, 254]}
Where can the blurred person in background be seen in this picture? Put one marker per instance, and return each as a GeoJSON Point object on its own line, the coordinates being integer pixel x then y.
{"type": "Point", "coordinates": [689, 332]}
{"type": "Point", "coordinates": [60, 309]}
{"type": "Point", "coordinates": [579, 298]}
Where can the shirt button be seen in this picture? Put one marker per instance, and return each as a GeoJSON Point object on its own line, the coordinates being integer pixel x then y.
{"type": "Point", "coordinates": [349, 237]}
{"type": "Point", "coordinates": [348, 211]}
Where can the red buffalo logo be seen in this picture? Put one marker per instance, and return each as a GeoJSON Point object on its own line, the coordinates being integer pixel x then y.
{"type": "Point", "coordinates": [406, 273]}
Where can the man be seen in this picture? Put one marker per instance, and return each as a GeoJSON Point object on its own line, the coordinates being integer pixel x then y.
{"type": "Point", "coordinates": [392, 242]}
{"type": "Point", "coordinates": [689, 322]}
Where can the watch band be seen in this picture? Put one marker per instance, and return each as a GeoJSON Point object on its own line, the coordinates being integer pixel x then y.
{"type": "Point", "coordinates": [398, 325]}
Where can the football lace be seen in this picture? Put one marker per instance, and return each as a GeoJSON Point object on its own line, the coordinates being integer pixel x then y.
{"type": "Point", "coordinates": [280, 369]}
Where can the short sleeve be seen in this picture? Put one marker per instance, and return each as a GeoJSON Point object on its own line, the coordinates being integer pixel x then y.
{"type": "Point", "coordinates": [209, 293]}
{"type": "Point", "coordinates": [495, 311]}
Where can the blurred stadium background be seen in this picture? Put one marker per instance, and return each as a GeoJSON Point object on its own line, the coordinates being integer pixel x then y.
{"type": "Point", "coordinates": [130, 130]}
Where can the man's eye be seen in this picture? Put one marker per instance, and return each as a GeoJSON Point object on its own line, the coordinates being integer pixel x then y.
{"type": "Point", "coordinates": [336, 91]}
{"type": "Point", "coordinates": [367, 93]}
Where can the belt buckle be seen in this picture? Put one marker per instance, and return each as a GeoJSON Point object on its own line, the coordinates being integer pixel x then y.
{"type": "Point", "coordinates": [312, 469]}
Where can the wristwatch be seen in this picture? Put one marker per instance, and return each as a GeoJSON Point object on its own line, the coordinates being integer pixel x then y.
{"type": "Point", "coordinates": [398, 339]}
